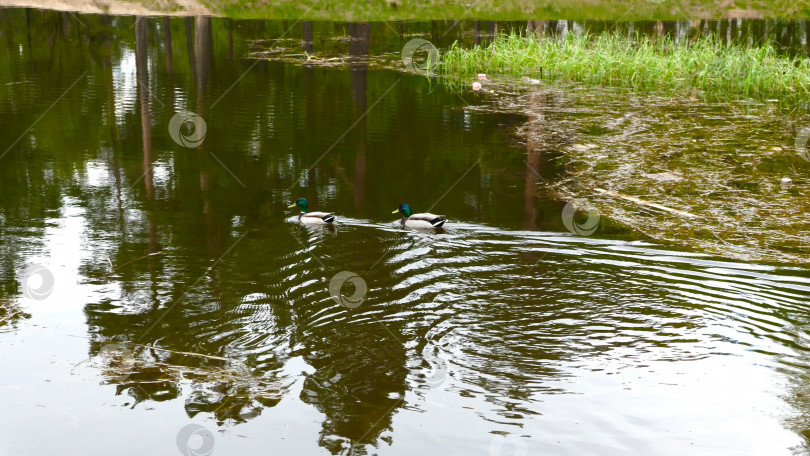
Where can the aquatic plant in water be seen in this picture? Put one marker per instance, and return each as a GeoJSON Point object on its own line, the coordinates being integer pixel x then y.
{"type": "Point", "coordinates": [660, 64]}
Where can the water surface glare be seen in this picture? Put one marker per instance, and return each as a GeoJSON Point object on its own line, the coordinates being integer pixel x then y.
{"type": "Point", "coordinates": [175, 289]}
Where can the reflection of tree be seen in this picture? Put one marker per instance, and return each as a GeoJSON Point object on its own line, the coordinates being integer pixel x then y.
{"type": "Point", "coordinates": [142, 76]}
{"type": "Point", "coordinates": [167, 44]}
{"type": "Point", "coordinates": [538, 28]}
{"type": "Point", "coordinates": [33, 177]}
{"type": "Point", "coordinates": [799, 399]}
{"type": "Point", "coordinates": [806, 33]}
{"type": "Point", "coordinates": [65, 24]}
{"type": "Point", "coordinates": [229, 25]}
{"type": "Point", "coordinates": [360, 34]}
{"type": "Point", "coordinates": [359, 380]}
{"type": "Point", "coordinates": [10, 311]}
{"type": "Point", "coordinates": [492, 30]}
{"type": "Point", "coordinates": [534, 128]}
{"type": "Point", "coordinates": [280, 118]}
{"type": "Point", "coordinates": [203, 50]}
{"type": "Point", "coordinates": [184, 204]}
{"type": "Point", "coordinates": [229, 390]}
{"type": "Point", "coordinates": [306, 37]}
{"type": "Point", "coordinates": [188, 26]}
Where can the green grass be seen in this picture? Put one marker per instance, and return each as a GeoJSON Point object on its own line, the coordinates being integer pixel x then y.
{"type": "Point", "coordinates": [422, 10]}
{"type": "Point", "coordinates": [640, 62]}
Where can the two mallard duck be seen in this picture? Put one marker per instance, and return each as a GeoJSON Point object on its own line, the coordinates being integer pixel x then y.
{"type": "Point", "coordinates": [409, 219]}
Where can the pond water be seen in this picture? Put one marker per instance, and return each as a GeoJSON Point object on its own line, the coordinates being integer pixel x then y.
{"type": "Point", "coordinates": [158, 298]}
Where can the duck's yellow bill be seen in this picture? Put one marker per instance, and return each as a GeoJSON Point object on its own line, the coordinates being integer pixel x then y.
{"type": "Point", "coordinates": [395, 211]}
{"type": "Point", "coordinates": [291, 206]}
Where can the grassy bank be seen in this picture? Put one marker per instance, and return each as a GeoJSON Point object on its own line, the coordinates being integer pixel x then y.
{"type": "Point", "coordinates": [645, 63]}
{"type": "Point", "coordinates": [420, 10]}
{"type": "Point", "coordinates": [430, 10]}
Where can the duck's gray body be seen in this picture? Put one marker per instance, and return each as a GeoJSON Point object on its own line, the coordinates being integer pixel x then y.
{"type": "Point", "coordinates": [424, 220]}
{"type": "Point", "coordinates": [316, 218]}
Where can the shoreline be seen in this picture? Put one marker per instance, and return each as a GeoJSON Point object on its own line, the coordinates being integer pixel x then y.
{"type": "Point", "coordinates": [115, 7]}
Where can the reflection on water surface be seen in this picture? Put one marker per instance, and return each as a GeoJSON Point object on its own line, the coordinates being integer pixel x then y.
{"type": "Point", "coordinates": [182, 294]}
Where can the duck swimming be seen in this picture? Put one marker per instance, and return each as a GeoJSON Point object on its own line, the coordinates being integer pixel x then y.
{"type": "Point", "coordinates": [312, 218]}
{"type": "Point", "coordinates": [423, 220]}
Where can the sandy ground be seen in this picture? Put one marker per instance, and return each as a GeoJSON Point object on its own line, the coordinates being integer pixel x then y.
{"type": "Point", "coordinates": [116, 7]}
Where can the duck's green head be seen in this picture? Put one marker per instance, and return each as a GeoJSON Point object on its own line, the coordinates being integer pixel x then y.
{"type": "Point", "coordinates": [300, 202]}
{"type": "Point", "coordinates": [404, 209]}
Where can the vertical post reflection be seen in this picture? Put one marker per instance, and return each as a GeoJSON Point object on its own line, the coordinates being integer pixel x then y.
{"type": "Point", "coordinates": [204, 55]}
{"type": "Point", "coordinates": [106, 46]}
{"type": "Point", "coordinates": [306, 37]}
{"type": "Point", "coordinates": [534, 130]}
{"type": "Point", "coordinates": [188, 24]}
{"type": "Point", "coordinates": [167, 43]}
{"type": "Point", "coordinates": [142, 76]}
{"type": "Point", "coordinates": [537, 28]}
{"type": "Point", "coordinates": [358, 73]}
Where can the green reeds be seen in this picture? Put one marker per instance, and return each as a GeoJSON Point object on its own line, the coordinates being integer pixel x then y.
{"type": "Point", "coordinates": [640, 62]}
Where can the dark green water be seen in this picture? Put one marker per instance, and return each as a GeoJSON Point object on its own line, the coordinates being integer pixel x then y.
{"type": "Point", "coordinates": [504, 334]}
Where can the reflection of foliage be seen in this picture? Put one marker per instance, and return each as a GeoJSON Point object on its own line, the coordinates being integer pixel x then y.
{"type": "Point", "coordinates": [232, 393]}
{"type": "Point", "coordinates": [226, 388]}
{"type": "Point", "coordinates": [150, 383]}
{"type": "Point", "coordinates": [10, 314]}
{"type": "Point", "coordinates": [799, 399]}
{"type": "Point", "coordinates": [358, 383]}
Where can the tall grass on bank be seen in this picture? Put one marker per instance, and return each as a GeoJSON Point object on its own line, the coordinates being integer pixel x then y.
{"type": "Point", "coordinates": [640, 62]}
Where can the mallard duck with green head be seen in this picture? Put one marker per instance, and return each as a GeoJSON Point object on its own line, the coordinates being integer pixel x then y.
{"type": "Point", "coordinates": [423, 220]}
{"type": "Point", "coordinates": [312, 218]}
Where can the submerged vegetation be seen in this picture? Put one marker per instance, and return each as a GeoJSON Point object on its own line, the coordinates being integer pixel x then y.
{"type": "Point", "coordinates": [717, 166]}
{"type": "Point", "coordinates": [705, 65]}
